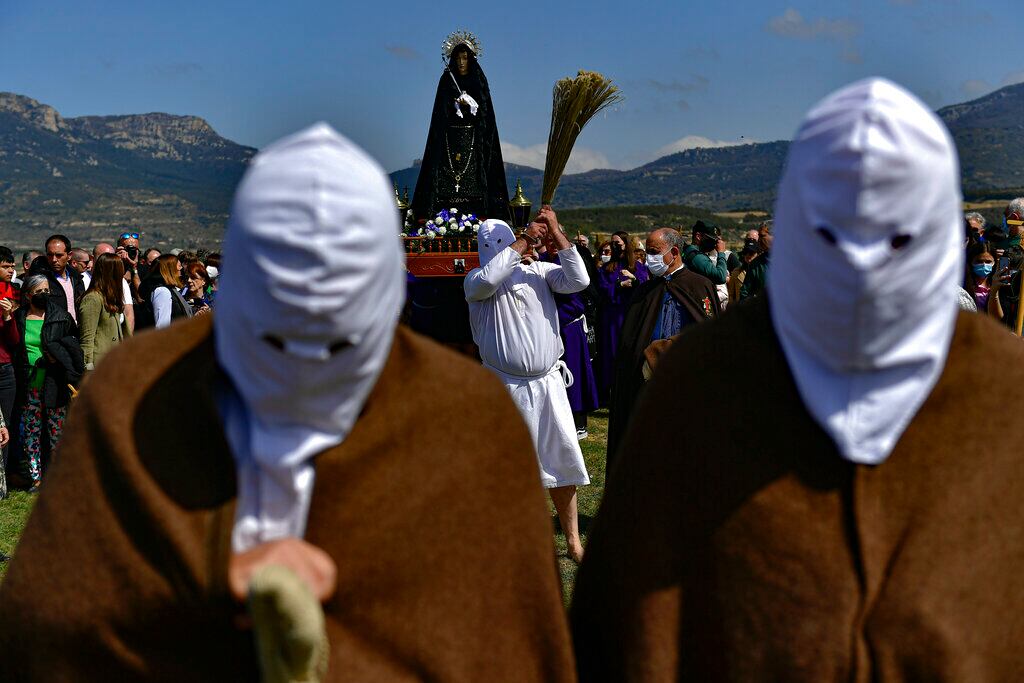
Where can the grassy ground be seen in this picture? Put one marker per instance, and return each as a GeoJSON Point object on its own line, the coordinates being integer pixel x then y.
{"type": "Point", "coordinates": [15, 509]}
{"type": "Point", "coordinates": [589, 497]}
{"type": "Point", "coordinates": [13, 515]}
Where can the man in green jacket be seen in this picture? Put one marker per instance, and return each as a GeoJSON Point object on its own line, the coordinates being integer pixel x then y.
{"type": "Point", "coordinates": [704, 240]}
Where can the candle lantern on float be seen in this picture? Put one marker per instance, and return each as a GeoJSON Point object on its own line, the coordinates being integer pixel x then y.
{"type": "Point", "coordinates": [520, 206]}
{"type": "Point", "coordinates": [402, 203]}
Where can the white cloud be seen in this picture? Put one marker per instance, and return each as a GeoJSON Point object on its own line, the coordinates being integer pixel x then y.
{"type": "Point", "coordinates": [582, 159]}
{"type": "Point", "coordinates": [792, 24]}
{"type": "Point", "coordinates": [1012, 79]}
{"type": "Point", "coordinates": [975, 87]}
{"type": "Point", "coordinates": [693, 142]}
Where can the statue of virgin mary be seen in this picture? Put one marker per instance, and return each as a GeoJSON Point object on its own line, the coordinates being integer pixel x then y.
{"type": "Point", "coordinates": [462, 166]}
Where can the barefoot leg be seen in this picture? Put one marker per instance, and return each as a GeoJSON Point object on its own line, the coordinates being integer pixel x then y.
{"type": "Point", "coordinates": [564, 498]}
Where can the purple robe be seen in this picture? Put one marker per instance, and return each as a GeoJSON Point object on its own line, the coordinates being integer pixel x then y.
{"type": "Point", "coordinates": [583, 392]}
{"type": "Point", "coordinates": [611, 310]}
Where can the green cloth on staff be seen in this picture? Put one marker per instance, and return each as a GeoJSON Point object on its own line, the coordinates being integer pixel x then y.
{"type": "Point", "coordinates": [33, 346]}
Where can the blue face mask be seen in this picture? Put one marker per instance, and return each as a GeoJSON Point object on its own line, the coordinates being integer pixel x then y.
{"type": "Point", "coordinates": [982, 269]}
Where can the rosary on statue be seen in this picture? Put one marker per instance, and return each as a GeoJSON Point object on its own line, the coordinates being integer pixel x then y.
{"type": "Point", "coordinates": [451, 164]}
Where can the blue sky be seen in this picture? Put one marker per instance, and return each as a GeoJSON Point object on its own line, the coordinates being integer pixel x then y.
{"type": "Point", "coordinates": [691, 72]}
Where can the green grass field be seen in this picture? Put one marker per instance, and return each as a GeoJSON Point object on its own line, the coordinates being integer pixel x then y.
{"type": "Point", "coordinates": [589, 497]}
{"type": "Point", "coordinates": [15, 509]}
{"type": "Point", "coordinates": [13, 515]}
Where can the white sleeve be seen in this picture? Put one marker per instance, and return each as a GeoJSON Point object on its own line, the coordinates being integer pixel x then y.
{"type": "Point", "coordinates": [482, 283]}
{"type": "Point", "coordinates": [127, 289]}
{"type": "Point", "coordinates": [570, 275]}
{"type": "Point", "coordinates": [161, 299]}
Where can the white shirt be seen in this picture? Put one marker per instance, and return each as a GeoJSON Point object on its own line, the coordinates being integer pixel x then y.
{"type": "Point", "coordinates": [513, 313]}
{"type": "Point", "coordinates": [161, 299]}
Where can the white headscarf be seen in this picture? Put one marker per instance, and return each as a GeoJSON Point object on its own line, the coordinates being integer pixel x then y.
{"type": "Point", "coordinates": [866, 262]}
{"type": "Point", "coordinates": [310, 291]}
{"type": "Point", "coordinates": [494, 237]}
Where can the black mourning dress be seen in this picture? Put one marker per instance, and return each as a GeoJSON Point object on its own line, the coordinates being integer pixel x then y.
{"type": "Point", "coordinates": [462, 151]}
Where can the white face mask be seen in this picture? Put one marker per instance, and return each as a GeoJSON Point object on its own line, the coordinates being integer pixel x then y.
{"type": "Point", "coordinates": [606, 258]}
{"type": "Point", "coordinates": [866, 262]}
{"type": "Point", "coordinates": [309, 299]}
{"type": "Point", "coordinates": [656, 263]}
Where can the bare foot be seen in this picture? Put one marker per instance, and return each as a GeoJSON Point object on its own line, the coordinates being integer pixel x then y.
{"type": "Point", "coordinates": [575, 552]}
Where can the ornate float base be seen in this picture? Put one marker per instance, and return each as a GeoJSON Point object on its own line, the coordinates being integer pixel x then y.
{"type": "Point", "coordinates": [441, 256]}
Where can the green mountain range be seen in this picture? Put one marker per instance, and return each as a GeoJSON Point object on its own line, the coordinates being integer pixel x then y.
{"type": "Point", "coordinates": [989, 134]}
{"type": "Point", "coordinates": [173, 176]}
{"type": "Point", "coordinates": [94, 176]}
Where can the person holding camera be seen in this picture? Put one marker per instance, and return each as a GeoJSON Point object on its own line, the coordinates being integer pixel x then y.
{"type": "Point", "coordinates": [705, 240]}
{"type": "Point", "coordinates": [128, 250]}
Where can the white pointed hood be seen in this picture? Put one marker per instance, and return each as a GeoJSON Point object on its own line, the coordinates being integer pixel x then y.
{"type": "Point", "coordinates": [494, 237]}
{"type": "Point", "coordinates": [866, 262]}
{"type": "Point", "coordinates": [309, 298]}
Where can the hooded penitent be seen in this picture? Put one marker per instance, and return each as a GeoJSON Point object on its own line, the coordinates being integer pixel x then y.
{"type": "Point", "coordinates": [310, 292]}
{"type": "Point", "coordinates": [866, 261]}
{"type": "Point", "coordinates": [494, 237]}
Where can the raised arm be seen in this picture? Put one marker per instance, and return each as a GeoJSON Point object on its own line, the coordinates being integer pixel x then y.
{"type": "Point", "coordinates": [483, 282]}
{"type": "Point", "coordinates": [570, 275]}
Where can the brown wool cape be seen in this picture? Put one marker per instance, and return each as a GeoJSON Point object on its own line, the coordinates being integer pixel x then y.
{"type": "Point", "coordinates": [432, 509]}
{"type": "Point", "coordinates": [744, 551]}
{"type": "Point", "coordinates": [700, 299]}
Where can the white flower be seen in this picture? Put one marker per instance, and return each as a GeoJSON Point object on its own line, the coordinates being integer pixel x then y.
{"type": "Point", "coordinates": [476, 227]}
{"type": "Point", "coordinates": [453, 210]}
{"type": "Point", "coordinates": [453, 221]}
{"type": "Point", "coordinates": [431, 234]}
{"type": "Point", "coordinates": [408, 212]}
{"type": "Point", "coordinates": [439, 221]}
{"type": "Point", "coordinates": [462, 217]}
{"type": "Point", "coordinates": [442, 230]}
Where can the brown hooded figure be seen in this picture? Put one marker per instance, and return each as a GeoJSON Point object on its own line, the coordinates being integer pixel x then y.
{"type": "Point", "coordinates": [861, 521]}
{"type": "Point", "coordinates": [429, 511]}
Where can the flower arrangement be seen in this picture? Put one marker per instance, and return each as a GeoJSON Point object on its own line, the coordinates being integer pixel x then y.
{"type": "Point", "coordinates": [448, 222]}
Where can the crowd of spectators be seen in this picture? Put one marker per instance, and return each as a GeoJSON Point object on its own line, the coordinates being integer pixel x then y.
{"type": "Point", "coordinates": [67, 308]}
{"type": "Point", "coordinates": [621, 268]}
{"type": "Point", "coordinates": [994, 258]}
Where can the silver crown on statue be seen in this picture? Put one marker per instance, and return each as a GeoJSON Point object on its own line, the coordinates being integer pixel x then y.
{"type": "Point", "coordinates": [460, 37]}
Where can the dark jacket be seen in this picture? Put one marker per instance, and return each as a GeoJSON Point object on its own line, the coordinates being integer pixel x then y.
{"type": "Point", "coordinates": [59, 338]}
{"type": "Point", "coordinates": [757, 276]}
{"type": "Point", "coordinates": [696, 294]}
{"type": "Point", "coordinates": [57, 290]}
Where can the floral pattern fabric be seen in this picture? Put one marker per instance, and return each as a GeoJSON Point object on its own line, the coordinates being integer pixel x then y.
{"type": "Point", "coordinates": [32, 429]}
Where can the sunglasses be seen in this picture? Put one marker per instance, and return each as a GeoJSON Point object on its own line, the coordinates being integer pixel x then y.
{"type": "Point", "coordinates": [129, 235]}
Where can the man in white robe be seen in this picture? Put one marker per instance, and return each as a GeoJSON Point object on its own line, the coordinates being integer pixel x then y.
{"type": "Point", "coordinates": [515, 323]}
